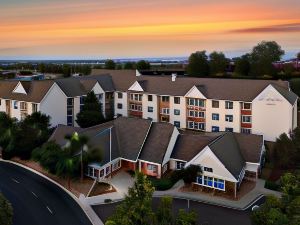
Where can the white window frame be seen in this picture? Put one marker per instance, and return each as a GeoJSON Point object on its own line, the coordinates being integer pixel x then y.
{"type": "Point", "coordinates": [165, 111]}
{"type": "Point", "coordinates": [227, 104]}
{"type": "Point", "coordinates": [179, 165]}
{"type": "Point", "coordinates": [246, 116]}
{"type": "Point", "coordinates": [227, 118]}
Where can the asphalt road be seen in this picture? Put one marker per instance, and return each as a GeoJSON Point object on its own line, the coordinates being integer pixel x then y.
{"type": "Point", "coordinates": [206, 214]}
{"type": "Point", "coordinates": [36, 201]}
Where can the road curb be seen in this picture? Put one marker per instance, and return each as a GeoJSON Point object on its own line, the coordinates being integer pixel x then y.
{"type": "Point", "coordinates": [83, 207]}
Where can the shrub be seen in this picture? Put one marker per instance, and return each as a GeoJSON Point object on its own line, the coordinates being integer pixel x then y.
{"type": "Point", "coordinates": [6, 211]}
{"type": "Point", "coordinates": [190, 173]}
{"type": "Point", "coordinates": [107, 200]}
{"type": "Point", "coordinates": [162, 184]}
{"type": "Point", "coordinates": [272, 185]}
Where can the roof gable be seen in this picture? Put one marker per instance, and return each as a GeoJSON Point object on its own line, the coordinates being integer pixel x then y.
{"type": "Point", "coordinates": [195, 92]}
{"type": "Point", "coordinates": [19, 89]}
{"type": "Point", "coordinates": [136, 87]}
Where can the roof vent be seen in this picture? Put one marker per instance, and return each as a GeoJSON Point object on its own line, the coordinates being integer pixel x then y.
{"type": "Point", "coordinates": [137, 73]}
{"type": "Point", "coordinates": [174, 75]}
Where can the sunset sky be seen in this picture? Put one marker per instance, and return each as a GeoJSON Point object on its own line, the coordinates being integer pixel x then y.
{"type": "Point", "coordinates": [97, 29]}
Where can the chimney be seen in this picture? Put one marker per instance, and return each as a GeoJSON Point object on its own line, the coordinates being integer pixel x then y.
{"type": "Point", "coordinates": [137, 73]}
{"type": "Point", "coordinates": [174, 75]}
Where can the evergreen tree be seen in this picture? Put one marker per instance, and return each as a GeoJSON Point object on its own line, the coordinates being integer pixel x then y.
{"type": "Point", "coordinates": [242, 65]}
{"type": "Point", "coordinates": [217, 63]}
{"type": "Point", "coordinates": [110, 64]}
{"type": "Point", "coordinates": [6, 211]}
{"type": "Point", "coordinates": [198, 64]}
{"type": "Point", "coordinates": [164, 212]}
{"type": "Point", "coordinates": [143, 65]}
{"type": "Point", "coordinates": [91, 113]}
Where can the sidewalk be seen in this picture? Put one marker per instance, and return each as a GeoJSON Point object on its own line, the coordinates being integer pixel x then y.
{"type": "Point", "coordinates": [238, 204]}
{"type": "Point", "coordinates": [121, 182]}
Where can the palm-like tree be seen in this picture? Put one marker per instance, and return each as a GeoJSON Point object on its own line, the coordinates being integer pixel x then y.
{"type": "Point", "coordinates": [76, 151]}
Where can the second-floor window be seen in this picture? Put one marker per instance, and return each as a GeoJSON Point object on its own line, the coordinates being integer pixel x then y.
{"type": "Point", "coordinates": [228, 105]}
{"type": "Point", "coordinates": [150, 98]}
{"type": "Point", "coordinates": [207, 169]}
{"type": "Point", "coordinates": [150, 109]}
{"type": "Point", "coordinates": [197, 114]}
{"type": "Point", "coordinates": [165, 111]}
{"type": "Point", "coordinates": [134, 107]}
{"type": "Point", "coordinates": [119, 106]}
{"type": "Point", "coordinates": [16, 104]}
{"type": "Point", "coordinates": [246, 119]}
{"type": "Point", "coordinates": [23, 105]}
{"type": "Point", "coordinates": [246, 106]}
{"type": "Point", "coordinates": [176, 112]}
{"type": "Point", "coordinates": [34, 107]}
{"type": "Point", "coordinates": [228, 118]}
{"type": "Point", "coordinates": [120, 95]}
{"type": "Point", "coordinates": [215, 104]}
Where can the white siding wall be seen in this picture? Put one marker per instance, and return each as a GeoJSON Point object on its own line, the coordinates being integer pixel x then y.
{"type": "Point", "coordinates": [15, 113]}
{"type": "Point", "coordinates": [154, 104]}
{"type": "Point", "coordinates": [170, 146]}
{"type": "Point", "coordinates": [76, 109]}
{"type": "Point", "coordinates": [182, 107]}
{"type": "Point", "coordinates": [295, 115]}
{"type": "Point", "coordinates": [271, 114]}
{"type": "Point", "coordinates": [98, 90]}
{"type": "Point", "coordinates": [222, 111]}
{"type": "Point", "coordinates": [252, 167]}
{"type": "Point", "coordinates": [2, 105]}
{"type": "Point", "coordinates": [55, 105]}
{"type": "Point", "coordinates": [123, 101]}
{"type": "Point", "coordinates": [208, 159]}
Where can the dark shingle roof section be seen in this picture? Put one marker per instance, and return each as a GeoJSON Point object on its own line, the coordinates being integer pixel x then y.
{"type": "Point", "coordinates": [188, 146]}
{"type": "Point", "coordinates": [72, 87]}
{"type": "Point", "coordinates": [287, 94]}
{"type": "Point", "coordinates": [250, 146]}
{"type": "Point", "coordinates": [157, 142]}
{"type": "Point", "coordinates": [105, 82]}
{"type": "Point", "coordinates": [36, 90]}
{"type": "Point", "coordinates": [60, 132]}
{"type": "Point", "coordinates": [131, 134]}
{"type": "Point", "coordinates": [227, 150]}
{"type": "Point", "coordinates": [213, 88]}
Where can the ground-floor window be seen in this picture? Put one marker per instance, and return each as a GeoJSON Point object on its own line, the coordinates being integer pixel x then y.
{"type": "Point", "coordinates": [180, 165]}
{"type": "Point", "coordinates": [246, 131]}
{"type": "Point", "coordinates": [107, 170]}
{"type": "Point", "coordinates": [152, 168]}
{"type": "Point", "coordinates": [211, 182]}
{"type": "Point", "coordinates": [116, 165]}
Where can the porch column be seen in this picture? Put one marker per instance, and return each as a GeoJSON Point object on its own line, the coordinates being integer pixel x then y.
{"type": "Point", "coordinates": [235, 190]}
{"type": "Point", "coordinates": [140, 165]}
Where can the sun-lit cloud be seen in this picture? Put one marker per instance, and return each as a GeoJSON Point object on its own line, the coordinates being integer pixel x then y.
{"type": "Point", "coordinates": [119, 28]}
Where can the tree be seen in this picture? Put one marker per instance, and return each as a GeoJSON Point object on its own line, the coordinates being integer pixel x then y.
{"type": "Point", "coordinates": [290, 186]}
{"type": "Point", "coordinates": [32, 132]}
{"type": "Point", "coordinates": [91, 113]}
{"type": "Point", "coordinates": [143, 65]}
{"type": "Point", "coordinates": [242, 65]}
{"type": "Point", "coordinates": [129, 66]}
{"type": "Point", "coordinates": [136, 208]}
{"type": "Point", "coordinates": [293, 211]}
{"type": "Point", "coordinates": [217, 63]}
{"type": "Point", "coordinates": [285, 151]}
{"type": "Point", "coordinates": [119, 67]}
{"type": "Point", "coordinates": [110, 64]}
{"type": "Point", "coordinates": [66, 70]}
{"type": "Point", "coordinates": [6, 211]}
{"type": "Point", "coordinates": [42, 67]}
{"type": "Point", "coordinates": [186, 218]}
{"type": "Point", "coordinates": [198, 64]}
{"type": "Point", "coordinates": [295, 85]}
{"type": "Point", "coordinates": [262, 57]}
{"type": "Point", "coordinates": [8, 128]}
{"type": "Point", "coordinates": [190, 173]}
{"type": "Point", "coordinates": [164, 212]}
{"type": "Point", "coordinates": [288, 69]}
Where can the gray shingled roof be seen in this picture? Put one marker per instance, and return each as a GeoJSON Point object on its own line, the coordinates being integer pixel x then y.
{"type": "Point", "coordinates": [212, 88]}
{"type": "Point", "coordinates": [157, 142]}
{"type": "Point", "coordinates": [188, 146]}
{"type": "Point", "coordinates": [288, 95]}
{"type": "Point", "coordinates": [227, 150]}
{"type": "Point", "coordinates": [72, 87]}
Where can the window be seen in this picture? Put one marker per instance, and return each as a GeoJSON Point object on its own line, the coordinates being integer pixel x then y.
{"type": "Point", "coordinates": [0, 101]}
{"type": "Point", "coordinates": [246, 105]}
{"type": "Point", "coordinates": [215, 129]}
{"type": "Point", "coordinates": [70, 120]}
{"type": "Point", "coordinates": [180, 165]}
{"type": "Point", "coordinates": [215, 116]}
{"type": "Point", "coordinates": [165, 111]}
{"type": "Point", "coordinates": [136, 97]}
{"type": "Point", "coordinates": [116, 165]}
{"type": "Point", "coordinates": [246, 131]}
{"type": "Point", "coordinates": [208, 169]}
{"type": "Point", "coordinates": [150, 109]}
{"type": "Point", "coordinates": [82, 98]}
{"type": "Point", "coordinates": [199, 180]}
{"type": "Point", "coordinates": [152, 168]}
{"type": "Point", "coordinates": [107, 170]}
{"type": "Point", "coordinates": [176, 100]}
{"type": "Point", "coordinates": [120, 95]}
{"type": "Point", "coordinates": [197, 114]}
{"type": "Point", "coordinates": [165, 98]}
{"type": "Point", "coordinates": [134, 107]}
{"type": "Point", "coordinates": [196, 102]}
{"type": "Point", "coordinates": [177, 124]}
{"type": "Point", "coordinates": [15, 104]}
{"type": "Point", "coordinates": [219, 184]}
{"type": "Point", "coordinates": [150, 98]}
{"type": "Point", "coordinates": [70, 101]}
{"type": "Point", "coordinates": [228, 129]}
{"type": "Point", "coordinates": [34, 107]}
{"type": "Point", "coordinates": [100, 97]}
{"type": "Point", "coordinates": [119, 106]}
{"type": "Point", "coordinates": [208, 181]}
{"type": "Point", "coordinates": [228, 105]}
{"type": "Point", "coordinates": [215, 104]}
{"type": "Point", "coordinates": [23, 105]}
{"type": "Point", "coordinates": [196, 125]}
{"type": "Point", "coordinates": [228, 118]}
{"type": "Point", "coordinates": [246, 119]}
{"type": "Point", "coordinates": [176, 112]}
{"type": "Point", "coordinates": [102, 173]}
